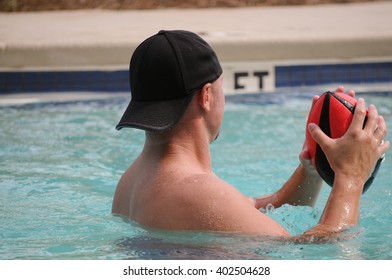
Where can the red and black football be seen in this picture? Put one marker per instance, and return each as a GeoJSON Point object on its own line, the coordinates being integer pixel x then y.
{"type": "Point", "coordinates": [333, 113]}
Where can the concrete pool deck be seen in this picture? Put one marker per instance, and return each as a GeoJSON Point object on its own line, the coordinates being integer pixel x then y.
{"type": "Point", "coordinates": [102, 39]}
{"type": "Point", "coordinates": [91, 38]}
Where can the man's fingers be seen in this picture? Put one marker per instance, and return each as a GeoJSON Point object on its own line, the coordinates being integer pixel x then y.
{"type": "Point", "coordinates": [340, 89]}
{"type": "Point", "coordinates": [372, 119]}
{"type": "Point", "coordinates": [381, 130]}
{"type": "Point", "coordinates": [315, 98]}
{"type": "Point", "coordinates": [359, 115]}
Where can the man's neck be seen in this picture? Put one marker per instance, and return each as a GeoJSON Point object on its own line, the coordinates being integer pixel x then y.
{"type": "Point", "coordinates": [181, 148]}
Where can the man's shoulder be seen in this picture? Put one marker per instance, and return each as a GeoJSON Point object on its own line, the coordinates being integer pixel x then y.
{"type": "Point", "coordinates": [206, 180]}
{"type": "Point", "coordinates": [209, 187]}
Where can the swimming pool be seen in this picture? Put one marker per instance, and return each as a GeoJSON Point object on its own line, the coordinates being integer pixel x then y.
{"type": "Point", "coordinates": [60, 163]}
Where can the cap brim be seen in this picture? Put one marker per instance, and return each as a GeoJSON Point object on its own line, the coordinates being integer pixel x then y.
{"type": "Point", "coordinates": [159, 116]}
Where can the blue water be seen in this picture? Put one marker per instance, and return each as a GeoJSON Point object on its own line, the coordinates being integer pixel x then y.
{"type": "Point", "coordinates": [60, 163]}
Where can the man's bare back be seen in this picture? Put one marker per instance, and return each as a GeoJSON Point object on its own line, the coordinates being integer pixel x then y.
{"type": "Point", "coordinates": [176, 199]}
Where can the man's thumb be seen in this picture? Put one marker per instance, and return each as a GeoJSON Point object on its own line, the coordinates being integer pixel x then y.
{"type": "Point", "coordinates": [317, 134]}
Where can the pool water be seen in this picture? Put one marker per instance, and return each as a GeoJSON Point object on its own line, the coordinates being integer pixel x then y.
{"type": "Point", "coordinates": [60, 163]}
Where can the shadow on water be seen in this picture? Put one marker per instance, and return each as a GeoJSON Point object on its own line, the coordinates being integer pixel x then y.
{"type": "Point", "coordinates": [194, 246]}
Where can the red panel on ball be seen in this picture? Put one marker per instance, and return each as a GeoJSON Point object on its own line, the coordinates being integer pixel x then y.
{"type": "Point", "coordinates": [340, 113]}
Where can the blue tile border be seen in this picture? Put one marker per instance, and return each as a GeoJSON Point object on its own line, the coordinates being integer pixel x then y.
{"type": "Point", "coordinates": [117, 80]}
{"type": "Point", "coordinates": [64, 81]}
{"type": "Point", "coordinates": [353, 73]}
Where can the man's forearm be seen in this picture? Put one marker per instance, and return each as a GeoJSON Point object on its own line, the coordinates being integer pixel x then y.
{"type": "Point", "coordinates": [302, 188]}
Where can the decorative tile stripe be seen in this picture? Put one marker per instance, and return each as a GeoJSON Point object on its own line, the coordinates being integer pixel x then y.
{"type": "Point", "coordinates": [274, 76]}
{"type": "Point", "coordinates": [311, 75]}
{"type": "Point", "coordinates": [61, 81]}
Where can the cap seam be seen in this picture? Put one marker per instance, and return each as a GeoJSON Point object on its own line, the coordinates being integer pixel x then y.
{"type": "Point", "coordinates": [179, 59]}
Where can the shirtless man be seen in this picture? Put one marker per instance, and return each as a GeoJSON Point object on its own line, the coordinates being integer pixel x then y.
{"type": "Point", "coordinates": [177, 98]}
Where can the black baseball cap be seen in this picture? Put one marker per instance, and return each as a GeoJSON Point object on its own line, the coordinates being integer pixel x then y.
{"type": "Point", "coordinates": [164, 73]}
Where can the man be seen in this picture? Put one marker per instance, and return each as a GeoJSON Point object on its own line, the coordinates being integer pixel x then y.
{"type": "Point", "coordinates": [177, 98]}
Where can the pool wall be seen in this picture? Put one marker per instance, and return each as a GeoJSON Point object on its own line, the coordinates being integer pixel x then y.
{"type": "Point", "coordinates": [261, 49]}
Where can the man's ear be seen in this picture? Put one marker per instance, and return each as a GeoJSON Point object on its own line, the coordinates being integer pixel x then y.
{"type": "Point", "coordinates": [205, 97]}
